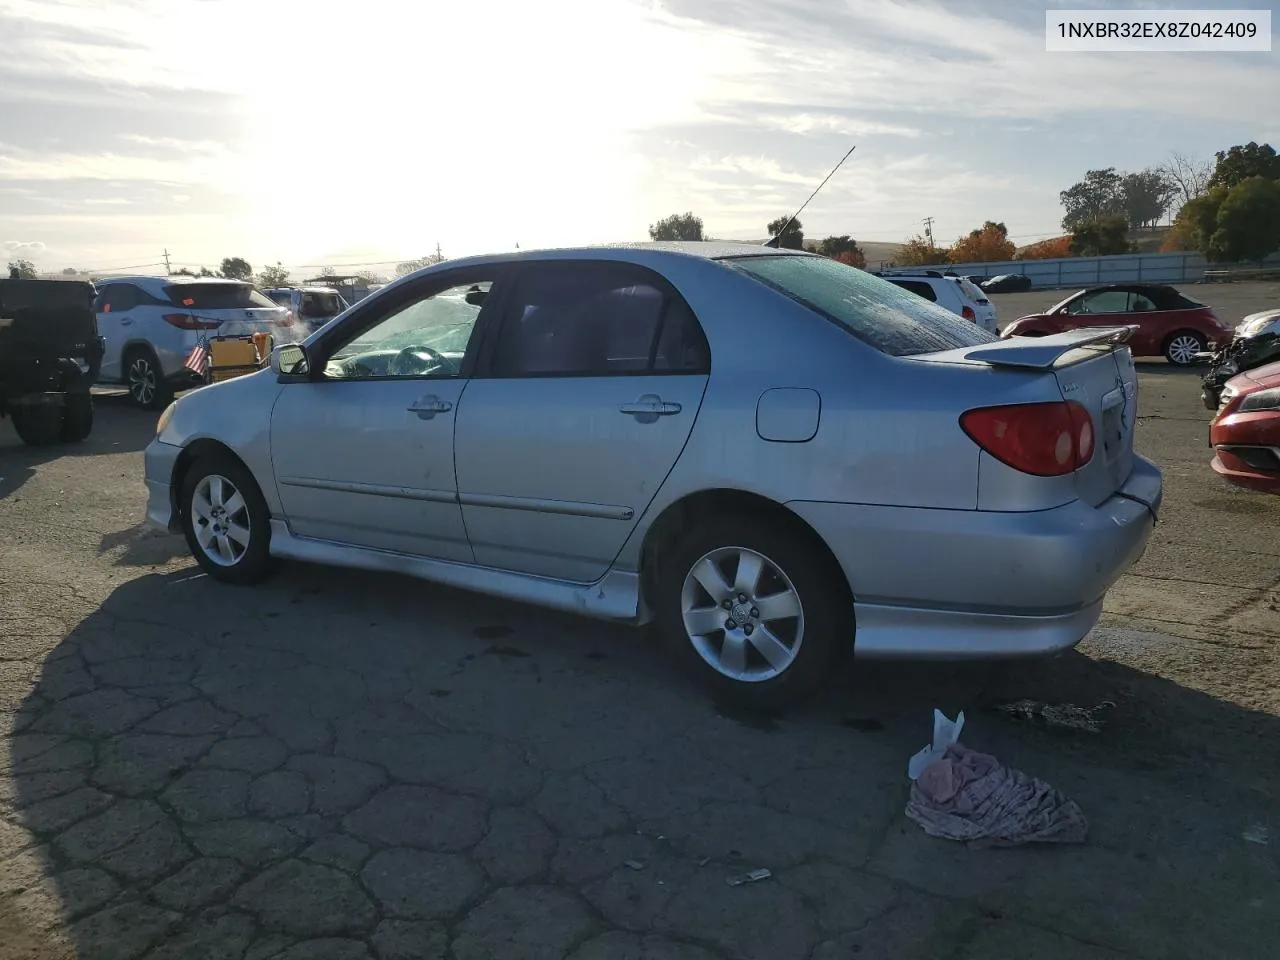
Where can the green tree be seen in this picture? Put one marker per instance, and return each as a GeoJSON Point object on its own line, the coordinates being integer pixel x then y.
{"type": "Point", "coordinates": [834, 246]}
{"type": "Point", "coordinates": [276, 276]}
{"type": "Point", "coordinates": [919, 252]}
{"type": "Point", "coordinates": [236, 268]}
{"type": "Point", "coordinates": [1240, 163]}
{"type": "Point", "coordinates": [678, 226]}
{"type": "Point", "coordinates": [1147, 196]}
{"type": "Point", "coordinates": [206, 272]}
{"type": "Point", "coordinates": [413, 266]}
{"type": "Point", "coordinates": [22, 270]}
{"type": "Point", "coordinates": [1248, 223]}
{"type": "Point", "coordinates": [369, 277]}
{"type": "Point", "coordinates": [1098, 195]}
{"type": "Point", "coordinates": [793, 239]}
{"type": "Point", "coordinates": [1101, 237]}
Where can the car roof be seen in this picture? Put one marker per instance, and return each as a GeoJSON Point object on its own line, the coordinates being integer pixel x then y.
{"type": "Point", "coordinates": [646, 252]}
{"type": "Point", "coordinates": [155, 283]}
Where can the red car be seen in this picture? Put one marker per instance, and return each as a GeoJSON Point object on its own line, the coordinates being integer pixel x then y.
{"type": "Point", "coordinates": [1245, 433]}
{"type": "Point", "coordinates": [1170, 324]}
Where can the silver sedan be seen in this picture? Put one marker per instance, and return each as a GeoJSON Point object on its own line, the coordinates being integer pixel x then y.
{"type": "Point", "coordinates": [780, 459]}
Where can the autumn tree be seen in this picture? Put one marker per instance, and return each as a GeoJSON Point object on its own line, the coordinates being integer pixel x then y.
{"type": "Point", "coordinates": [793, 239]}
{"type": "Point", "coordinates": [1054, 249]}
{"type": "Point", "coordinates": [1147, 196]}
{"type": "Point", "coordinates": [678, 226]}
{"type": "Point", "coordinates": [1247, 224]}
{"type": "Point", "coordinates": [1102, 237]}
{"type": "Point", "coordinates": [990, 242]}
{"type": "Point", "coordinates": [919, 252]}
{"type": "Point", "coordinates": [1098, 195]}
{"type": "Point", "coordinates": [1190, 178]}
{"type": "Point", "coordinates": [22, 270]}
{"type": "Point", "coordinates": [843, 248]}
{"type": "Point", "coordinates": [276, 276]}
{"type": "Point", "coordinates": [1240, 163]}
{"type": "Point", "coordinates": [236, 268]}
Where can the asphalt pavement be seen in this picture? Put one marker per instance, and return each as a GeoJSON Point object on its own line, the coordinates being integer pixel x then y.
{"type": "Point", "coordinates": [346, 765]}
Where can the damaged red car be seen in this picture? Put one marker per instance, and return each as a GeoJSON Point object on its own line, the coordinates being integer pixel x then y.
{"type": "Point", "coordinates": [1245, 433]}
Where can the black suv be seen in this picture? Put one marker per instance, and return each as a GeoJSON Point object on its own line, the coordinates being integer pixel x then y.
{"type": "Point", "coordinates": [50, 353]}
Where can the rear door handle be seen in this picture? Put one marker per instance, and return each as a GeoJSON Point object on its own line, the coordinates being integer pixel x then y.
{"type": "Point", "coordinates": [428, 407]}
{"type": "Point", "coordinates": [649, 408]}
{"type": "Point", "coordinates": [125, 321]}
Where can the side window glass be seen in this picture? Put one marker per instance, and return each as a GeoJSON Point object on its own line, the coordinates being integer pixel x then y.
{"type": "Point", "coordinates": [682, 346]}
{"type": "Point", "coordinates": [1138, 303]}
{"type": "Point", "coordinates": [579, 320]}
{"type": "Point", "coordinates": [918, 288]}
{"type": "Point", "coordinates": [124, 297]}
{"type": "Point", "coordinates": [428, 337]}
{"type": "Point", "coordinates": [1106, 301]}
{"type": "Point", "coordinates": [105, 302]}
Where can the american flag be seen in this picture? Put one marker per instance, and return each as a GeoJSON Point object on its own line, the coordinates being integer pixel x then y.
{"type": "Point", "coordinates": [198, 359]}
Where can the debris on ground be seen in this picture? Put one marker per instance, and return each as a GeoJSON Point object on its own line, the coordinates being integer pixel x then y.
{"type": "Point", "coordinates": [961, 794]}
{"type": "Point", "coordinates": [755, 876]}
{"type": "Point", "coordinates": [1066, 716]}
{"type": "Point", "coordinates": [633, 864]}
{"type": "Point", "coordinates": [1257, 833]}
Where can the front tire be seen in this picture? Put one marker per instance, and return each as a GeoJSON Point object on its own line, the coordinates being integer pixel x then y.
{"type": "Point", "coordinates": [754, 609]}
{"type": "Point", "coordinates": [38, 426]}
{"type": "Point", "coordinates": [77, 417]}
{"type": "Point", "coordinates": [1181, 348]}
{"type": "Point", "coordinates": [225, 520]}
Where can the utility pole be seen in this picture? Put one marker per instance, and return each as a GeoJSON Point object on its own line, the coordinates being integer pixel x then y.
{"type": "Point", "coordinates": [439, 255]}
{"type": "Point", "coordinates": [928, 230]}
{"type": "Point", "coordinates": [167, 271]}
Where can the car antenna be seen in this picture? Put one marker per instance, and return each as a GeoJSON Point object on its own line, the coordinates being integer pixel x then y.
{"type": "Point", "coordinates": [776, 240]}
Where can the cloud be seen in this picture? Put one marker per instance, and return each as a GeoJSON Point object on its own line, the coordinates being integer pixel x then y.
{"type": "Point", "coordinates": [23, 248]}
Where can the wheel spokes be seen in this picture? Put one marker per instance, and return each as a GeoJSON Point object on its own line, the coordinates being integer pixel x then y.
{"type": "Point", "coordinates": [711, 579]}
{"type": "Point", "coordinates": [704, 620]}
{"type": "Point", "coordinates": [779, 606]}
{"type": "Point", "coordinates": [771, 648]}
{"type": "Point", "coordinates": [750, 566]}
{"type": "Point", "coordinates": [733, 654]}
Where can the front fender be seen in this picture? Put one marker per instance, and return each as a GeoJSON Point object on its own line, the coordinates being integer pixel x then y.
{"type": "Point", "coordinates": [235, 413]}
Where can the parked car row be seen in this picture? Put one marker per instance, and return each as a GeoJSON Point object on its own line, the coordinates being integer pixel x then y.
{"type": "Point", "coordinates": [150, 325]}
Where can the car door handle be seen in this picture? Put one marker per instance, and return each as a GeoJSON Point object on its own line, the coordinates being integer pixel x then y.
{"type": "Point", "coordinates": [428, 407]}
{"type": "Point", "coordinates": [649, 407]}
{"type": "Point", "coordinates": [125, 321]}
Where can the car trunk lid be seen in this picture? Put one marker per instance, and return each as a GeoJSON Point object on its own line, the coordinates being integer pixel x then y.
{"type": "Point", "coordinates": [1093, 367]}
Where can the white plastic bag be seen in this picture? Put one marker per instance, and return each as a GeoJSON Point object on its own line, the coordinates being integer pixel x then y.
{"type": "Point", "coordinates": [945, 733]}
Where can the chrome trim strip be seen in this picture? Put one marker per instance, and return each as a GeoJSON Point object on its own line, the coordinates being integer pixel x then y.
{"type": "Point", "coordinates": [373, 489]}
{"type": "Point", "coordinates": [597, 511]}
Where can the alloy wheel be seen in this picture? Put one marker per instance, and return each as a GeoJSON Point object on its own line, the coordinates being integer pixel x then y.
{"type": "Point", "coordinates": [142, 381]}
{"type": "Point", "coordinates": [220, 520]}
{"type": "Point", "coordinates": [742, 614]}
{"type": "Point", "coordinates": [1183, 349]}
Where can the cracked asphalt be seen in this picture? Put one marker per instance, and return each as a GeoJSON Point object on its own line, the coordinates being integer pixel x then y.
{"type": "Point", "coordinates": [339, 765]}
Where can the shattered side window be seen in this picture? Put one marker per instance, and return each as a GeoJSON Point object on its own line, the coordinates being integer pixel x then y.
{"type": "Point", "coordinates": [888, 318]}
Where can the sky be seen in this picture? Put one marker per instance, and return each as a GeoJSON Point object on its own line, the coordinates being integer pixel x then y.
{"type": "Point", "coordinates": [317, 133]}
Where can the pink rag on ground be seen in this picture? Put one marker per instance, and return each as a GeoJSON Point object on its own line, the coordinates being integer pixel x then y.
{"type": "Point", "coordinates": [967, 795]}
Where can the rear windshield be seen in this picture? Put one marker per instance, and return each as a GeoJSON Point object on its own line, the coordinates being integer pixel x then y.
{"type": "Point", "coordinates": [321, 305]}
{"type": "Point", "coordinates": [875, 311]}
{"type": "Point", "coordinates": [216, 296]}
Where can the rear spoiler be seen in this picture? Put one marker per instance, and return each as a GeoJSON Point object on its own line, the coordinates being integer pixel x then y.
{"type": "Point", "coordinates": [1043, 353]}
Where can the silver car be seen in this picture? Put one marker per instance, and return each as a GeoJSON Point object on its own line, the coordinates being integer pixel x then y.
{"type": "Point", "coordinates": [779, 458]}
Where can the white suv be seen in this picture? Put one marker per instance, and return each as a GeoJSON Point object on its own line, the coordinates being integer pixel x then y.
{"type": "Point", "coordinates": [151, 324]}
{"type": "Point", "coordinates": [957, 294]}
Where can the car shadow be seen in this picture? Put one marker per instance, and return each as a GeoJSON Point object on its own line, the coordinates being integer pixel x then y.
{"type": "Point", "coordinates": [118, 427]}
{"type": "Point", "coordinates": [212, 767]}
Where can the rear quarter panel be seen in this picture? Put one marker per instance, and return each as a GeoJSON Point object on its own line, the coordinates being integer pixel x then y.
{"type": "Point", "coordinates": [889, 429]}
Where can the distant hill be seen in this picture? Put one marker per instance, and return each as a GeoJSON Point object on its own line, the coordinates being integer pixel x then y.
{"type": "Point", "coordinates": [1147, 241]}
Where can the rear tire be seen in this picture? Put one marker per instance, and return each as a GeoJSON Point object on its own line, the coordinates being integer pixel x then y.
{"type": "Point", "coordinates": [1181, 348]}
{"type": "Point", "coordinates": [38, 426]}
{"type": "Point", "coordinates": [762, 643]}
{"type": "Point", "coordinates": [225, 520]}
{"type": "Point", "coordinates": [77, 417]}
{"type": "Point", "coordinates": [147, 387]}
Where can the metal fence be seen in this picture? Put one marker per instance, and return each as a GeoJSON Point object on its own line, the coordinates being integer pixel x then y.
{"type": "Point", "coordinates": [1084, 271]}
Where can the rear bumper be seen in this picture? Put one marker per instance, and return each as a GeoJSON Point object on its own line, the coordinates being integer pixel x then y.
{"type": "Point", "coordinates": [967, 583]}
{"type": "Point", "coordinates": [159, 460]}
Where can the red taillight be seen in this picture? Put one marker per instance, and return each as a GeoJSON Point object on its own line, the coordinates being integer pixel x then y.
{"type": "Point", "coordinates": [968, 314]}
{"type": "Point", "coordinates": [185, 321]}
{"type": "Point", "coordinates": [1043, 439]}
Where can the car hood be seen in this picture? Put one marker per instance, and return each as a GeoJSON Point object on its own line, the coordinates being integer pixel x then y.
{"type": "Point", "coordinates": [1256, 323]}
{"type": "Point", "coordinates": [1267, 375]}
